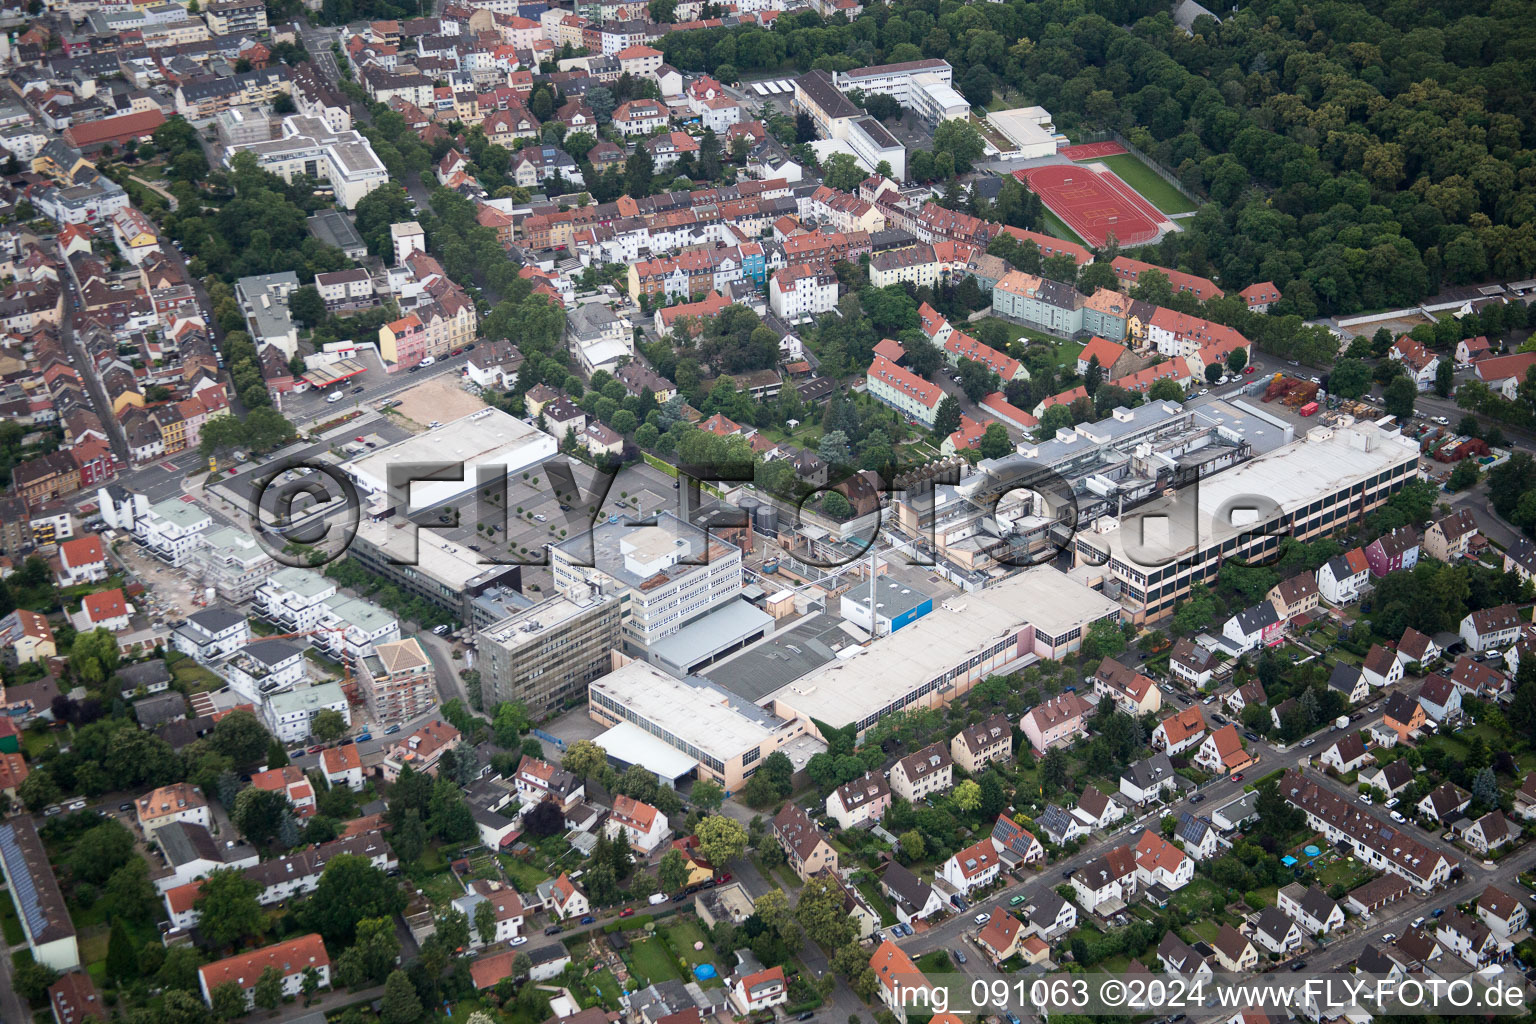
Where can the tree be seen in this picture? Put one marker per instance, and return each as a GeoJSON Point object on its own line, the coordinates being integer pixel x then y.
{"type": "Point", "coordinates": [101, 851]}
{"type": "Point", "coordinates": [309, 984]}
{"type": "Point", "coordinates": [38, 789]}
{"type": "Point", "coordinates": [820, 912]}
{"type": "Point", "coordinates": [672, 872]}
{"type": "Point", "coordinates": [400, 1004]}
{"type": "Point", "coordinates": [350, 890]}
{"type": "Point", "coordinates": [913, 846]}
{"type": "Point", "coordinates": [967, 794]}
{"type": "Point", "coordinates": [228, 1001]}
{"type": "Point", "coordinates": [960, 140]}
{"type": "Point", "coordinates": [1398, 397]}
{"type": "Point", "coordinates": [995, 442]}
{"type": "Point", "coordinates": [267, 993]}
{"type": "Point", "coordinates": [1445, 377]}
{"type": "Point", "coordinates": [409, 837]}
{"type": "Point", "coordinates": [836, 505]}
{"type": "Point", "coordinates": [1214, 372]}
{"type": "Point", "coordinates": [1094, 375]}
{"type": "Point", "coordinates": [707, 795]}
{"type": "Point", "coordinates": [259, 814]}
{"type": "Point", "coordinates": [1485, 787]}
{"type": "Point", "coordinates": [1237, 359]}
{"type": "Point", "coordinates": [585, 759]}
{"type": "Point", "coordinates": [130, 894]}
{"type": "Point", "coordinates": [122, 956]}
{"type": "Point", "coordinates": [721, 839]}
{"type": "Point", "coordinates": [306, 305]}
{"type": "Point", "coordinates": [1105, 639]}
{"type": "Point", "coordinates": [1350, 378]}
{"type": "Point", "coordinates": [946, 419]}
{"type": "Point", "coordinates": [509, 723]}
{"type": "Point", "coordinates": [1053, 768]}
{"type": "Point", "coordinates": [485, 922]}
{"type": "Point", "coordinates": [546, 819]}
{"type": "Point", "coordinates": [228, 907]}
{"type": "Point", "coordinates": [328, 725]}
{"type": "Point", "coordinates": [1465, 475]}
{"type": "Point", "coordinates": [93, 656]}
{"type": "Point", "coordinates": [1165, 389]}
{"type": "Point", "coordinates": [239, 736]}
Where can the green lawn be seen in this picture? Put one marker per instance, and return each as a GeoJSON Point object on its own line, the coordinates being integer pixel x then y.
{"type": "Point", "coordinates": [10, 924]}
{"type": "Point", "coordinates": [871, 890]}
{"type": "Point", "coordinates": [1206, 929]}
{"type": "Point", "coordinates": [1147, 181]}
{"type": "Point", "coordinates": [193, 678]}
{"type": "Point", "coordinates": [598, 988]}
{"type": "Point", "coordinates": [683, 935]}
{"type": "Point", "coordinates": [523, 874]}
{"type": "Point", "coordinates": [33, 743]}
{"type": "Point", "coordinates": [650, 961]}
{"type": "Point", "coordinates": [440, 888]}
{"type": "Point", "coordinates": [1054, 225]}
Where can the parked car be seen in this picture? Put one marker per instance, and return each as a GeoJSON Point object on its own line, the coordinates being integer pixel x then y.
{"type": "Point", "coordinates": [317, 748]}
{"type": "Point", "coordinates": [983, 918]}
{"type": "Point", "coordinates": [125, 807]}
{"type": "Point", "coordinates": [1020, 898]}
{"type": "Point", "coordinates": [1197, 798]}
{"type": "Point", "coordinates": [1251, 736]}
{"type": "Point", "coordinates": [296, 753]}
{"type": "Point", "coordinates": [518, 940]}
{"type": "Point", "coordinates": [627, 912]}
{"type": "Point", "coordinates": [391, 730]}
{"type": "Point", "coordinates": [1298, 965]}
{"type": "Point", "coordinates": [1237, 776]}
{"type": "Point", "coordinates": [589, 919]}
{"type": "Point", "coordinates": [553, 929]}
{"type": "Point", "coordinates": [959, 956]}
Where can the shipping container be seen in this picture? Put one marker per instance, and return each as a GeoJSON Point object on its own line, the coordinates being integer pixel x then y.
{"type": "Point", "coordinates": [1309, 409]}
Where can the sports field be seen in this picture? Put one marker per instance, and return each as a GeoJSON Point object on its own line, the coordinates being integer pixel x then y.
{"type": "Point", "coordinates": [1147, 182]}
{"type": "Point", "coordinates": [1094, 204]}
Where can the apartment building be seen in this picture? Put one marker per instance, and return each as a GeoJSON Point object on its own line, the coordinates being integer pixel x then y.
{"type": "Point", "coordinates": [976, 746]}
{"type": "Point", "coordinates": [1379, 844]}
{"type": "Point", "coordinates": [232, 563]}
{"type": "Point", "coordinates": [236, 17]}
{"type": "Point", "coordinates": [398, 681]}
{"type": "Point", "coordinates": [290, 959]}
{"type": "Point", "coordinates": [308, 146]}
{"type": "Point", "coordinates": [904, 391]}
{"type": "Point", "coordinates": [801, 292]}
{"type": "Point", "coordinates": [171, 530]}
{"type": "Point", "coordinates": [928, 771]}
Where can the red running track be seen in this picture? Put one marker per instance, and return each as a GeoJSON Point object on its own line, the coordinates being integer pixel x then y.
{"type": "Point", "coordinates": [1094, 204]}
{"type": "Point", "coordinates": [1092, 151]}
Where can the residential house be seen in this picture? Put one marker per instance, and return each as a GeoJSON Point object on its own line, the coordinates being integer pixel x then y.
{"type": "Point", "coordinates": [638, 823]}
{"type": "Point", "coordinates": [1198, 836]}
{"type": "Point", "coordinates": [1180, 958]}
{"type": "Point", "coordinates": [1419, 361]}
{"type": "Point", "coordinates": [1046, 915]}
{"type": "Point", "coordinates": [1001, 937]}
{"type": "Point", "coordinates": [291, 960]}
{"type": "Point", "coordinates": [1311, 908]}
{"type": "Point", "coordinates": [1379, 892]}
{"type": "Point", "coordinates": [1382, 667]}
{"type": "Point", "coordinates": [1145, 780]}
{"type": "Point", "coordinates": [342, 766]}
{"type": "Point", "coordinates": [1105, 883]}
{"type": "Point", "coordinates": [1134, 693]}
{"type": "Point", "coordinates": [1490, 629]}
{"type": "Point", "coordinates": [1060, 825]}
{"type": "Point", "coordinates": [1179, 731]}
{"type": "Point", "coordinates": [1253, 627]}
{"type": "Point", "coordinates": [807, 846]}
{"type": "Point", "coordinates": [912, 898]}
{"type": "Point", "coordinates": [1416, 649]}
{"type": "Point", "coordinates": [976, 746]}
{"type": "Point", "coordinates": [1445, 803]}
{"type": "Point", "coordinates": [1404, 716]}
{"type": "Point", "coordinates": [1251, 692]}
{"type": "Point", "coordinates": [1159, 862]}
{"type": "Point", "coordinates": [1393, 551]}
{"type": "Point", "coordinates": [1294, 596]}
{"type": "Point", "coordinates": [176, 802]}
{"type": "Point", "coordinates": [563, 898]}
{"type": "Point", "coordinates": [1440, 698]}
{"type": "Point", "coordinates": [758, 990]}
{"type": "Point", "coordinates": [861, 802]}
{"type": "Point", "coordinates": [1449, 537]}
{"type": "Point", "coordinates": [1234, 952]}
{"type": "Point", "coordinates": [1276, 932]}
{"type": "Point", "coordinates": [1477, 679]}
{"type": "Point", "coordinates": [1056, 722]}
{"type": "Point", "coordinates": [1223, 751]}
{"type": "Point", "coordinates": [1096, 810]}
{"type": "Point", "coordinates": [1487, 833]}
{"type": "Point", "coordinates": [1467, 937]}
{"type": "Point", "coordinates": [902, 985]}
{"type": "Point", "coordinates": [1391, 778]}
{"type": "Point", "coordinates": [974, 867]}
{"type": "Point", "coordinates": [1347, 754]}
{"type": "Point", "coordinates": [1343, 577]}
{"type": "Point", "coordinates": [1014, 844]}
{"type": "Point", "coordinates": [1525, 798]}
{"type": "Point", "coordinates": [1192, 663]}
{"type": "Point", "coordinates": [82, 560]}
{"type": "Point", "coordinates": [925, 772]}
{"type": "Point", "coordinates": [1503, 913]}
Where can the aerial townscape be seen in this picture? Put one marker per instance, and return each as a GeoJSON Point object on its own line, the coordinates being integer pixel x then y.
{"type": "Point", "coordinates": [707, 511]}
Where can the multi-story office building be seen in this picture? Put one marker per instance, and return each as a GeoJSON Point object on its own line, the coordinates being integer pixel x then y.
{"type": "Point", "coordinates": [398, 681]}
{"type": "Point", "coordinates": [664, 575]}
{"type": "Point", "coordinates": [1335, 475]}
{"type": "Point", "coordinates": [309, 146]}
{"type": "Point", "coordinates": [550, 652]}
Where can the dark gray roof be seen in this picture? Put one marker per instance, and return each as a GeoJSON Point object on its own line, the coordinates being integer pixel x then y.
{"type": "Point", "coordinates": [1148, 773]}
{"type": "Point", "coordinates": [1344, 678]}
{"type": "Point", "coordinates": [159, 709]}
{"type": "Point", "coordinates": [906, 886]}
{"type": "Point", "coordinates": [1192, 829]}
{"type": "Point", "coordinates": [147, 673]}
{"type": "Point", "coordinates": [1260, 616]}
{"type": "Point", "coordinates": [271, 652]}
{"type": "Point", "coordinates": [1273, 922]}
{"type": "Point", "coordinates": [184, 842]}
{"type": "Point", "coordinates": [215, 620]}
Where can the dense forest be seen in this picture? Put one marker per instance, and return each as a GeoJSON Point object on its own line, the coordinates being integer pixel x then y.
{"type": "Point", "coordinates": [1360, 155]}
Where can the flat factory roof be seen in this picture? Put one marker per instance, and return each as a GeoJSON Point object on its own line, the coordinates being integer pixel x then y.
{"type": "Point", "coordinates": [696, 712]}
{"type": "Point", "coordinates": [489, 437]}
{"type": "Point", "coordinates": [786, 656]}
